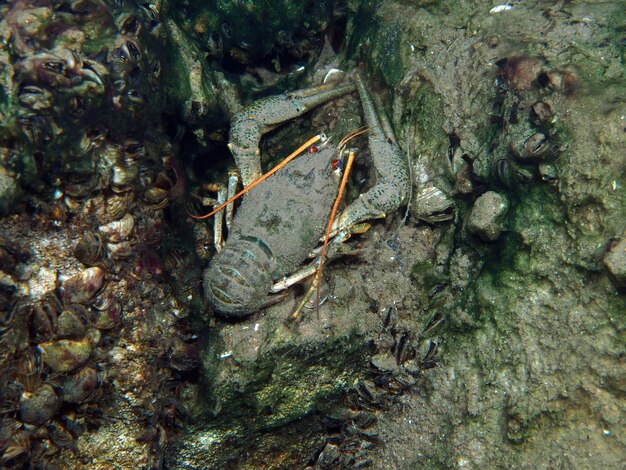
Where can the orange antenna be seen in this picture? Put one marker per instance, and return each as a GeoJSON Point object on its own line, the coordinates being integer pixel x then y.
{"type": "Point", "coordinates": [351, 135]}
{"type": "Point", "coordinates": [291, 156]}
{"type": "Point", "coordinates": [333, 213]}
{"type": "Point", "coordinates": [315, 284]}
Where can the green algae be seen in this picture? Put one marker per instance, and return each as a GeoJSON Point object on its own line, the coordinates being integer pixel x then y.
{"type": "Point", "coordinates": [425, 110]}
{"type": "Point", "coordinates": [283, 384]}
{"type": "Point", "coordinates": [384, 55]}
{"type": "Point", "coordinates": [279, 389]}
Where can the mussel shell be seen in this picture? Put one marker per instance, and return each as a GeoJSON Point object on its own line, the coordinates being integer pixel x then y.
{"type": "Point", "coordinates": [89, 249]}
{"type": "Point", "coordinates": [156, 69]}
{"type": "Point", "coordinates": [117, 205]}
{"type": "Point", "coordinates": [427, 353]}
{"type": "Point", "coordinates": [109, 317]}
{"type": "Point", "coordinates": [130, 25]}
{"type": "Point", "coordinates": [36, 128]}
{"type": "Point", "coordinates": [109, 154]}
{"type": "Point", "coordinates": [7, 308]}
{"type": "Point", "coordinates": [134, 150]}
{"type": "Point", "coordinates": [44, 321]}
{"type": "Point", "coordinates": [512, 175]}
{"type": "Point", "coordinates": [123, 176]}
{"type": "Point", "coordinates": [80, 386]}
{"type": "Point", "coordinates": [57, 212]}
{"type": "Point", "coordinates": [39, 406]}
{"type": "Point", "coordinates": [91, 9]}
{"type": "Point", "coordinates": [65, 355]}
{"type": "Point", "coordinates": [82, 287]}
{"type": "Point", "coordinates": [563, 81]}
{"type": "Point", "coordinates": [94, 337]}
{"type": "Point", "coordinates": [29, 369]}
{"type": "Point", "coordinates": [549, 173]}
{"type": "Point", "coordinates": [432, 204]}
{"type": "Point", "coordinates": [541, 113]}
{"type": "Point", "coordinates": [535, 147]}
{"type": "Point", "coordinates": [384, 363]}
{"type": "Point", "coordinates": [59, 436]}
{"type": "Point", "coordinates": [80, 186]}
{"type": "Point", "coordinates": [8, 427]}
{"type": "Point", "coordinates": [183, 357]}
{"type": "Point", "coordinates": [120, 250]}
{"type": "Point", "coordinates": [330, 457]}
{"type": "Point", "coordinates": [70, 325]}
{"type": "Point", "coordinates": [156, 198]}
{"type": "Point", "coordinates": [35, 98]}
{"type": "Point", "coordinates": [133, 51]}
{"type": "Point", "coordinates": [214, 43]}
{"type": "Point", "coordinates": [16, 451]}
{"type": "Point", "coordinates": [77, 107]}
{"type": "Point", "coordinates": [118, 230]}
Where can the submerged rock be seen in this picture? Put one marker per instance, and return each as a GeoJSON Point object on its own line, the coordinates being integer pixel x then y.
{"type": "Point", "coordinates": [487, 216]}
{"type": "Point", "coordinates": [615, 262]}
{"type": "Point", "coordinates": [9, 191]}
{"type": "Point", "coordinates": [433, 349]}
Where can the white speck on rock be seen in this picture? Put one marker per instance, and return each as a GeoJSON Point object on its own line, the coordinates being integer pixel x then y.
{"type": "Point", "coordinates": [44, 281]}
{"type": "Point", "coordinates": [501, 8]}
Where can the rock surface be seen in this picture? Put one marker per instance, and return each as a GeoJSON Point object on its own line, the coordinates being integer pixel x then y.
{"type": "Point", "coordinates": [486, 217]}
{"type": "Point", "coordinates": [615, 262]}
{"type": "Point", "coordinates": [526, 315]}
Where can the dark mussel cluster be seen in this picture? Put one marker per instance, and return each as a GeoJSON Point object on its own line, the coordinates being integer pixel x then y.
{"type": "Point", "coordinates": [269, 34]}
{"type": "Point", "coordinates": [401, 359]}
{"type": "Point", "coordinates": [527, 92]}
{"type": "Point", "coordinates": [81, 93]}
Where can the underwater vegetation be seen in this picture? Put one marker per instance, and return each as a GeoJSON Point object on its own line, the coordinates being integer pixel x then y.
{"type": "Point", "coordinates": [480, 324]}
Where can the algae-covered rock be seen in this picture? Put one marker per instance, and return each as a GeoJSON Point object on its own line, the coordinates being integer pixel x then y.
{"type": "Point", "coordinates": [263, 375]}
{"type": "Point", "coordinates": [195, 93]}
{"type": "Point", "coordinates": [615, 262]}
{"type": "Point", "coordinates": [530, 118]}
{"type": "Point", "coordinates": [486, 218]}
